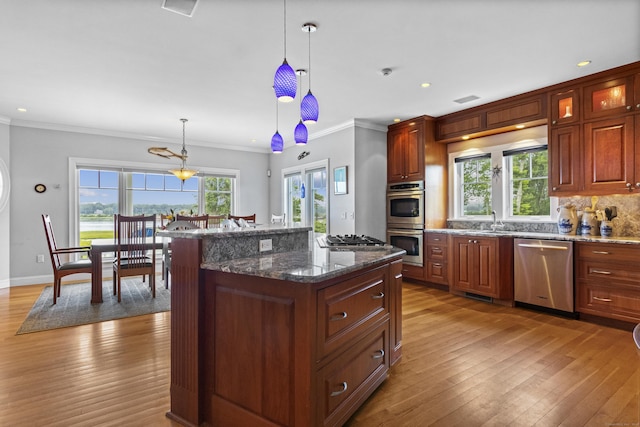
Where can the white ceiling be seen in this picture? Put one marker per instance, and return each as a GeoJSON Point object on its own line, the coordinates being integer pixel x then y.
{"type": "Point", "coordinates": [130, 67]}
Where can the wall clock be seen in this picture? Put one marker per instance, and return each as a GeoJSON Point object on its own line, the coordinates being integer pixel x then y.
{"type": "Point", "coordinates": [40, 188]}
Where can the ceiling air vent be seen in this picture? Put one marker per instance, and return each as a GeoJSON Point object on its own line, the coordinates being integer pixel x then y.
{"type": "Point", "coordinates": [183, 7]}
{"type": "Point", "coordinates": [466, 99]}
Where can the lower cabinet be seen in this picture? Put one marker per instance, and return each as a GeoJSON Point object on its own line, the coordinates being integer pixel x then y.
{"type": "Point", "coordinates": [436, 258]}
{"type": "Point", "coordinates": [608, 280]}
{"type": "Point", "coordinates": [483, 266]}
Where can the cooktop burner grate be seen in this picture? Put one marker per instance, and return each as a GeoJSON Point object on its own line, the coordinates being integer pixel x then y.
{"type": "Point", "coordinates": [353, 240]}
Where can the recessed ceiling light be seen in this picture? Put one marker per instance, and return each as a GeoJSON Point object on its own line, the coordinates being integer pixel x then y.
{"type": "Point", "coordinates": [253, 140]}
{"type": "Point", "coordinates": [583, 63]}
{"type": "Point", "coordinates": [396, 120]}
{"type": "Point", "coordinates": [425, 84]}
{"type": "Point", "coordinates": [22, 110]}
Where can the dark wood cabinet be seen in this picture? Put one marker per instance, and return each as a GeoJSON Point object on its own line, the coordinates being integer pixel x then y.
{"type": "Point", "coordinates": [436, 258]}
{"type": "Point", "coordinates": [483, 266]}
{"type": "Point", "coordinates": [609, 155]}
{"type": "Point", "coordinates": [565, 153]}
{"type": "Point", "coordinates": [565, 107]}
{"type": "Point", "coordinates": [405, 152]}
{"type": "Point", "coordinates": [609, 98]}
{"type": "Point", "coordinates": [608, 280]}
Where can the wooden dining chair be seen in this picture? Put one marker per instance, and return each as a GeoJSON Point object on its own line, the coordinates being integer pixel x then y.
{"type": "Point", "coordinates": [200, 221]}
{"type": "Point", "coordinates": [133, 236]}
{"type": "Point", "coordinates": [166, 248]}
{"type": "Point", "coordinates": [216, 220]}
{"type": "Point", "coordinates": [62, 269]}
{"type": "Point", "coordinates": [248, 218]}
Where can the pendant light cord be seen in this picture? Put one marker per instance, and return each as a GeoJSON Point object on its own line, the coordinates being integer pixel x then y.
{"type": "Point", "coordinates": [309, 30]}
{"type": "Point", "coordinates": [285, 29]}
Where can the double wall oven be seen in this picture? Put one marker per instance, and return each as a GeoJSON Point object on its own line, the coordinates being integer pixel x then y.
{"type": "Point", "coordinates": [405, 219]}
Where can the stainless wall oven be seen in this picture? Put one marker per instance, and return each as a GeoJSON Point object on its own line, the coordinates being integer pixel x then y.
{"type": "Point", "coordinates": [409, 240]}
{"type": "Point", "coordinates": [405, 205]}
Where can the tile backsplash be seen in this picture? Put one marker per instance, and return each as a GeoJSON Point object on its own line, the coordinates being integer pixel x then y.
{"type": "Point", "coordinates": [626, 224]}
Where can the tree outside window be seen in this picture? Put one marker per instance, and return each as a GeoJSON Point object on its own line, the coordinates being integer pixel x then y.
{"type": "Point", "coordinates": [218, 192]}
{"type": "Point", "coordinates": [529, 183]}
{"type": "Point", "coordinates": [475, 185]}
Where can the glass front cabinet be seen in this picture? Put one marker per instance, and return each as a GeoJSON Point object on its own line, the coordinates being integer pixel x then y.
{"type": "Point", "coordinates": [565, 107]}
{"type": "Point", "coordinates": [609, 98]}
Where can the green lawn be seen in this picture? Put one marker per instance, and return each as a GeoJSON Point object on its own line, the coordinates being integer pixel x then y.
{"type": "Point", "coordinates": [87, 236]}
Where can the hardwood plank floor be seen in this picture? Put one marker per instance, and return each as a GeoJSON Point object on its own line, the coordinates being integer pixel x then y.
{"type": "Point", "coordinates": [464, 363]}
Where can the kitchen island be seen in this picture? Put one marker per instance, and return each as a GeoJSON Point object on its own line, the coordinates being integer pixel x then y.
{"type": "Point", "coordinates": [299, 335]}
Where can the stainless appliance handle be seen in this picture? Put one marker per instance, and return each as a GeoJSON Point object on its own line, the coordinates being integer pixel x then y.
{"type": "Point", "coordinates": [397, 194]}
{"type": "Point", "coordinates": [558, 248]}
{"type": "Point", "coordinates": [407, 232]}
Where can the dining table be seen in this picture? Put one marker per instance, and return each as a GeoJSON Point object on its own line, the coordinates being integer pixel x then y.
{"type": "Point", "coordinates": [101, 246]}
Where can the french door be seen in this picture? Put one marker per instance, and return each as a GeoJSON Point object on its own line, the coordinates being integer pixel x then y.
{"type": "Point", "coordinates": [306, 195]}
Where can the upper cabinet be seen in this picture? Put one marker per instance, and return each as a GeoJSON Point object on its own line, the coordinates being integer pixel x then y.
{"type": "Point", "coordinates": [610, 98]}
{"type": "Point", "coordinates": [565, 107]}
{"type": "Point", "coordinates": [594, 139]}
{"type": "Point", "coordinates": [492, 118]}
{"type": "Point", "coordinates": [405, 151]}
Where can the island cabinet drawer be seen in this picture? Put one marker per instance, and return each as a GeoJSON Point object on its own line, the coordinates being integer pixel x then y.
{"type": "Point", "coordinates": [606, 272]}
{"type": "Point", "coordinates": [608, 252]}
{"type": "Point", "coordinates": [618, 302]}
{"type": "Point", "coordinates": [438, 239]}
{"type": "Point", "coordinates": [349, 380]}
{"type": "Point", "coordinates": [349, 308]}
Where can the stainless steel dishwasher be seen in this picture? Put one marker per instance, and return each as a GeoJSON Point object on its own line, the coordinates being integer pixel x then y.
{"type": "Point", "coordinates": [543, 273]}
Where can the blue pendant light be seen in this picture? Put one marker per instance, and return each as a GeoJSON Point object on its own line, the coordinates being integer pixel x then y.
{"type": "Point", "coordinates": [309, 109]}
{"type": "Point", "coordinates": [284, 81]}
{"type": "Point", "coordinates": [277, 143]}
{"type": "Point", "coordinates": [300, 134]}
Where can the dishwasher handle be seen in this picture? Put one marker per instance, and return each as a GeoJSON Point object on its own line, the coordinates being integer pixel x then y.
{"type": "Point", "coordinates": [558, 248]}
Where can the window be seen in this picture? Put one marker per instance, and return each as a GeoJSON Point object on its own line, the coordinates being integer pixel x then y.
{"type": "Point", "coordinates": [102, 191]}
{"type": "Point", "coordinates": [528, 182]}
{"type": "Point", "coordinates": [475, 184]}
{"type": "Point", "coordinates": [511, 179]}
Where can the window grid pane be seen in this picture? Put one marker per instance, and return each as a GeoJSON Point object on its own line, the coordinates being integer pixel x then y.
{"type": "Point", "coordinates": [529, 184]}
{"type": "Point", "coordinates": [476, 186]}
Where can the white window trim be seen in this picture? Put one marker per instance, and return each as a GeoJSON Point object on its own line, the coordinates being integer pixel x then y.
{"type": "Point", "coordinates": [79, 162]}
{"type": "Point", "coordinates": [500, 192]}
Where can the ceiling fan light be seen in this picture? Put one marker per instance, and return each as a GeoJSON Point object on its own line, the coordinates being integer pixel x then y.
{"type": "Point", "coordinates": [285, 83]}
{"type": "Point", "coordinates": [277, 143]}
{"type": "Point", "coordinates": [309, 108]}
{"type": "Point", "coordinates": [301, 134]}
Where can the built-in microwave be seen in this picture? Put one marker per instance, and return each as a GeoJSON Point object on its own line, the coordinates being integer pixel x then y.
{"type": "Point", "coordinates": [411, 241]}
{"type": "Point", "coordinates": [405, 205]}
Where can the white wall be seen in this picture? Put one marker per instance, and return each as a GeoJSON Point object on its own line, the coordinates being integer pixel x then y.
{"type": "Point", "coordinates": [5, 216]}
{"type": "Point", "coordinates": [42, 156]}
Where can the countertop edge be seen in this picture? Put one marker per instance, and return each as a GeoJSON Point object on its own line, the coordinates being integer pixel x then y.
{"type": "Point", "coordinates": [536, 235]}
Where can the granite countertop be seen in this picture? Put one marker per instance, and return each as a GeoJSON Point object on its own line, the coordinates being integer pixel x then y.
{"type": "Point", "coordinates": [311, 266]}
{"type": "Point", "coordinates": [226, 232]}
{"type": "Point", "coordinates": [534, 235]}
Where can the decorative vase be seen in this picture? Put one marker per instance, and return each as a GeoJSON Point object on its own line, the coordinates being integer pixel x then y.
{"type": "Point", "coordinates": [588, 224]}
{"type": "Point", "coordinates": [606, 228]}
{"type": "Point", "coordinates": [567, 219]}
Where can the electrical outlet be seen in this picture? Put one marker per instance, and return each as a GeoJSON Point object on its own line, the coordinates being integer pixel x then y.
{"type": "Point", "coordinates": [39, 258]}
{"type": "Point", "coordinates": [266, 245]}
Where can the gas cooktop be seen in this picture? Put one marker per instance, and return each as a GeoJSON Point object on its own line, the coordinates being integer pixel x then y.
{"type": "Point", "coordinates": [353, 240]}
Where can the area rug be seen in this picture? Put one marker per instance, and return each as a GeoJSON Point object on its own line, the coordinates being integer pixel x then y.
{"type": "Point", "coordinates": [74, 305]}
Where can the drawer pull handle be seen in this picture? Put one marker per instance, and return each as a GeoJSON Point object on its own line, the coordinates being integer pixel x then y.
{"type": "Point", "coordinates": [379, 296]}
{"type": "Point", "coordinates": [339, 392]}
{"type": "Point", "coordinates": [379, 354]}
{"type": "Point", "coordinates": [600, 272]}
{"type": "Point", "coordinates": [437, 265]}
{"type": "Point", "coordinates": [602, 252]}
{"type": "Point", "coordinates": [339, 316]}
{"type": "Point", "coordinates": [602, 299]}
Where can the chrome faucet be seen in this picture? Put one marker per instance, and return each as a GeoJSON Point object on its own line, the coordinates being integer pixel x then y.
{"type": "Point", "coordinates": [495, 224]}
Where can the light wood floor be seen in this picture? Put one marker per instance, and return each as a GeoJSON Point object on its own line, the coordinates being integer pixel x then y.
{"type": "Point", "coordinates": [465, 363]}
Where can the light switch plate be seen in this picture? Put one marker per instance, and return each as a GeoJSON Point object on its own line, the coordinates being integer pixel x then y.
{"type": "Point", "coordinates": [266, 245]}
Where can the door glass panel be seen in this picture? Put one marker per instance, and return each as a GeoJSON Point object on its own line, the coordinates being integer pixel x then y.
{"type": "Point", "coordinates": [316, 196]}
